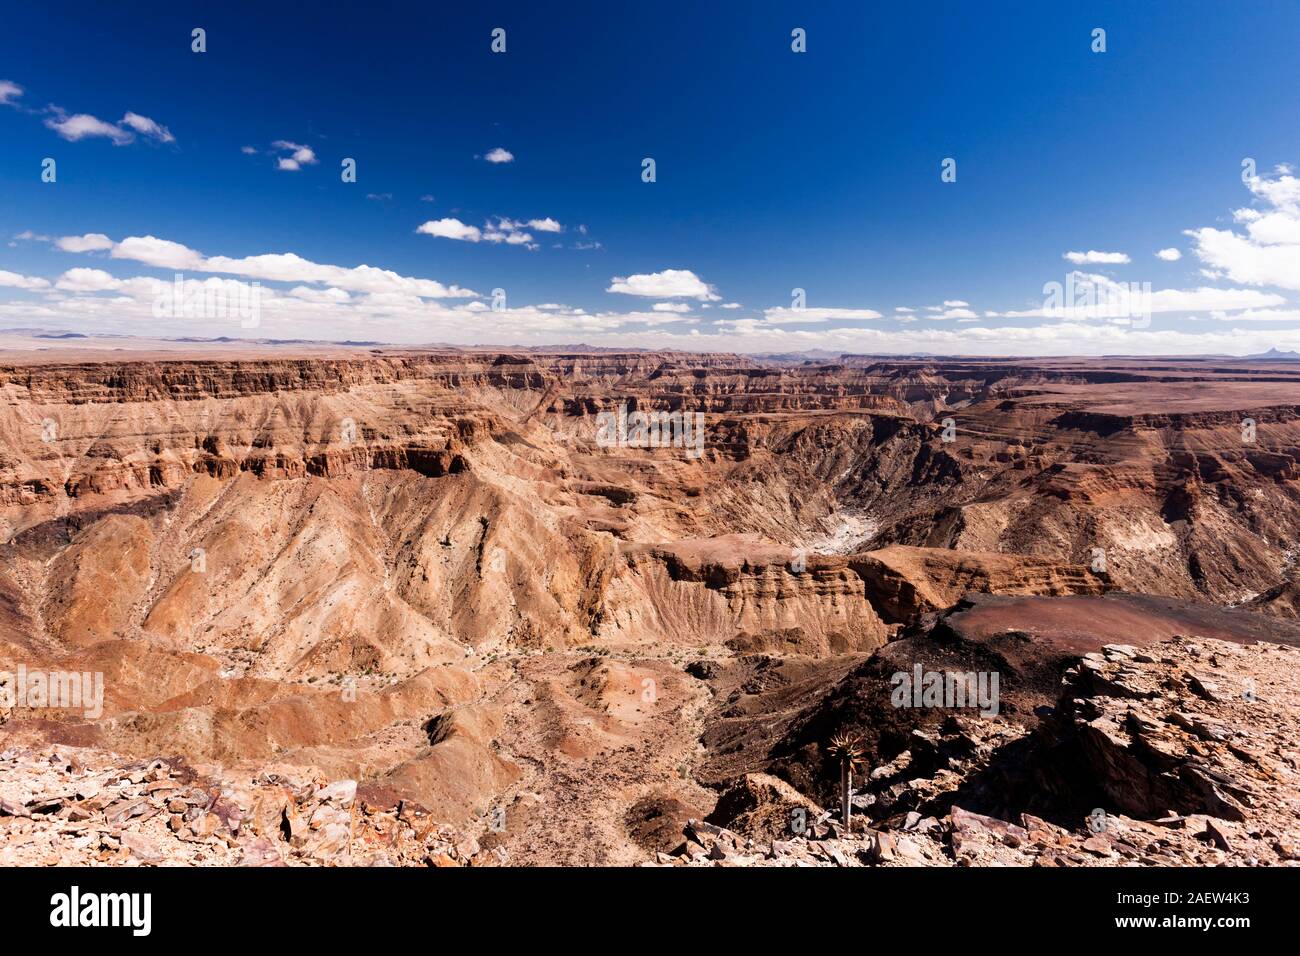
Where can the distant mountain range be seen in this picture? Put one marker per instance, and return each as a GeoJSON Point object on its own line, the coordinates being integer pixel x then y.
{"type": "Point", "coordinates": [1277, 355]}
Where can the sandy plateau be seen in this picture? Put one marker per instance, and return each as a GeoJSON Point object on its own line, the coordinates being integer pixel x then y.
{"type": "Point", "coordinates": [362, 606]}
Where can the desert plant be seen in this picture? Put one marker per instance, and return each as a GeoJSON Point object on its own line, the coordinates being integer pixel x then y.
{"type": "Point", "coordinates": [846, 750]}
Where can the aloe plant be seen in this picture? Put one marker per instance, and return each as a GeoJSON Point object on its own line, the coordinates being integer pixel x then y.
{"type": "Point", "coordinates": [847, 751]}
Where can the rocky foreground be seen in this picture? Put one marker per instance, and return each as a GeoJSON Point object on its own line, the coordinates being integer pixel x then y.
{"type": "Point", "coordinates": [74, 807]}
{"type": "Point", "coordinates": [1197, 741]}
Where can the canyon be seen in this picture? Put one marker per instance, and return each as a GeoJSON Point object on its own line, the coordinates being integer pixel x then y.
{"type": "Point", "coordinates": [411, 595]}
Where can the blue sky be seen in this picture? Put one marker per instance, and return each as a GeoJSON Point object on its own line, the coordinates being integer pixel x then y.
{"type": "Point", "coordinates": [775, 171]}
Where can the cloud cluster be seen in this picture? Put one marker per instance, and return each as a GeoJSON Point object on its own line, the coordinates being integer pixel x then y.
{"type": "Point", "coordinates": [1259, 259]}
{"type": "Point", "coordinates": [79, 126]}
{"type": "Point", "coordinates": [1096, 296]}
{"type": "Point", "coordinates": [1268, 253]}
{"type": "Point", "coordinates": [298, 299]}
{"type": "Point", "coordinates": [93, 300]}
{"type": "Point", "coordinates": [294, 156]}
{"type": "Point", "coordinates": [273, 267]}
{"type": "Point", "coordinates": [958, 309]}
{"type": "Point", "coordinates": [499, 229]}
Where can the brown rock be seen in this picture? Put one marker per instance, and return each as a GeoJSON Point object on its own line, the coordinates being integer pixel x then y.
{"type": "Point", "coordinates": [1204, 687]}
{"type": "Point", "coordinates": [761, 806]}
{"type": "Point", "coordinates": [1218, 835]}
{"type": "Point", "coordinates": [8, 809]}
{"type": "Point", "coordinates": [259, 851]}
{"type": "Point", "coordinates": [143, 849]}
{"type": "Point", "coordinates": [882, 848]}
{"type": "Point", "coordinates": [296, 825]}
{"type": "Point", "coordinates": [121, 811]}
{"type": "Point", "coordinates": [204, 826]}
{"type": "Point", "coordinates": [967, 825]}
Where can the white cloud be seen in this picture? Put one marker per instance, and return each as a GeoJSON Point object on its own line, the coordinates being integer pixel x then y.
{"type": "Point", "coordinates": [9, 91]}
{"type": "Point", "coordinates": [499, 155]}
{"type": "Point", "coordinates": [545, 225]}
{"type": "Point", "coordinates": [147, 127]}
{"type": "Point", "coordinates": [299, 156]}
{"type": "Point", "coordinates": [1275, 229]}
{"type": "Point", "coordinates": [671, 307]}
{"type": "Point", "coordinates": [784, 315]}
{"type": "Point", "coordinates": [450, 229]}
{"type": "Point", "coordinates": [13, 280]}
{"type": "Point", "coordinates": [162, 253]}
{"type": "Point", "coordinates": [1169, 255]}
{"type": "Point", "coordinates": [84, 126]}
{"type": "Point", "coordinates": [87, 280]}
{"type": "Point", "coordinates": [730, 305]}
{"type": "Point", "coordinates": [1093, 257]}
{"type": "Point", "coordinates": [904, 310]}
{"type": "Point", "coordinates": [90, 242]}
{"type": "Point", "coordinates": [248, 150]}
{"type": "Point", "coordinates": [1244, 260]}
{"type": "Point", "coordinates": [955, 304]}
{"type": "Point", "coordinates": [668, 284]}
{"type": "Point", "coordinates": [1282, 191]}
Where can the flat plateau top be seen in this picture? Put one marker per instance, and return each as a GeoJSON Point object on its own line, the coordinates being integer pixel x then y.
{"type": "Point", "coordinates": [1209, 394]}
{"type": "Point", "coordinates": [1121, 386]}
